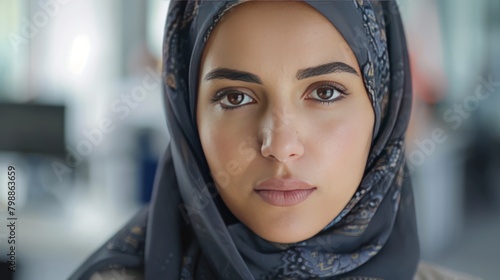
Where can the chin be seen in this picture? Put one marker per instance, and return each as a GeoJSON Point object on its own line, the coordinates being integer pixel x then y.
{"type": "Point", "coordinates": [287, 234]}
{"type": "Point", "coordinates": [286, 237]}
{"type": "Point", "coordinates": [285, 225]}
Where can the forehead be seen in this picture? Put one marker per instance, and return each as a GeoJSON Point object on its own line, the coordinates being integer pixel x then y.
{"type": "Point", "coordinates": [284, 35]}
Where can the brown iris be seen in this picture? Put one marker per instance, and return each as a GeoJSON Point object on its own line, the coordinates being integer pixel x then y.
{"type": "Point", "coordinates": [235, 98]}
{"type": "Point", "coordinates": [324, 92]}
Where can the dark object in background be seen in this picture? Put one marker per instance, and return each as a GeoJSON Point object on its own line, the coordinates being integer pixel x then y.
{"type": "Point", "coordinates": [32, 128]}
{"type": "Point", "coordinates": [481, 172]}
{"type": "Point", "coordinates": [5, 273]}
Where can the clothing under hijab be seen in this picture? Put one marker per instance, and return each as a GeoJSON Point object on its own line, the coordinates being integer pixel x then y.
{"type": "Point", "coordinates": [188, 233]}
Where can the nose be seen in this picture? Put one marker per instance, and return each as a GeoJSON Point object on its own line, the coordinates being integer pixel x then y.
{"type": "Point", "coordinates": [280, 138]}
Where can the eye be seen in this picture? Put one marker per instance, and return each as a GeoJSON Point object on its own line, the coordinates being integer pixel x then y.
{"type": "Point", "coordinates": [327, 92]}
{"type": "Point", "coordinates": [230, 99]}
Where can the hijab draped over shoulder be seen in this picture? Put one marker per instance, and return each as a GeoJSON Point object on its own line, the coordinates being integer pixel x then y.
{"type": "Point", "coordinates": [187, 232]}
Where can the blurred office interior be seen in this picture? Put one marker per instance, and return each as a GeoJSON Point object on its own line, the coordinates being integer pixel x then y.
{"type": "Point", "coordinates": [81, 119]}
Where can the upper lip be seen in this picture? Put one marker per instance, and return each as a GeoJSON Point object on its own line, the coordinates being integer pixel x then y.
{"type": "Point", "coordinates": [283, 184]}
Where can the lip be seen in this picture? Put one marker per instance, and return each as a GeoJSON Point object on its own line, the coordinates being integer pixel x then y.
{"type": "Point", "coordinates": [284, 192]}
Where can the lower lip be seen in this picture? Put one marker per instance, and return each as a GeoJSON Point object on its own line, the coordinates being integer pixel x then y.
{"type": "Point", "coordinates": [284, 198]}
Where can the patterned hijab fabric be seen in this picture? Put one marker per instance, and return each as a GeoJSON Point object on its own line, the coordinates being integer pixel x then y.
{"type": "Point", "coordinates": [188, 233]}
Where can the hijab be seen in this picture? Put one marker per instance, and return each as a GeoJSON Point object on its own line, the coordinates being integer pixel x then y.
{"type": "Point", "coordinates": [188, 233]}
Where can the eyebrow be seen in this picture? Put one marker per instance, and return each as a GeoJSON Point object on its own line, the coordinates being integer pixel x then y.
{"type": "Point", "coordinates": [333, 67]}
{"type": "Point", "coordinates": [237, 75]}
{"type": "Point", "coordinates": [230, 74]}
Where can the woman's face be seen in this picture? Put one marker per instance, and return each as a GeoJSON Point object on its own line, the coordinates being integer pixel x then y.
{"type": "Point", "coordinates": [281, 96]}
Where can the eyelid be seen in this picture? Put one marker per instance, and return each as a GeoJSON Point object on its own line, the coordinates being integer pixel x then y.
{"type": "Point", "coordinates": [342, 92]}
{"type": "Point", "coordinates": [342, 89]}
{"type": "Point", "coordinates": [222, 93]}
{"type": "Point", "coordinates": [219, 94]}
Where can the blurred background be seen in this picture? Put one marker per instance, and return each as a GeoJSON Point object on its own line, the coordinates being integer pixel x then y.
{"type": "Point", "coordinates": [81, 120]}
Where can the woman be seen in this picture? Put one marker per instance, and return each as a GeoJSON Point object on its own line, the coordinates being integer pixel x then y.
{"type": "Point", "coordinates": [286, 159]}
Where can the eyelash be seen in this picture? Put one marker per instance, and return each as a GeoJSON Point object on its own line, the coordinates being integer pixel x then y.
{"type": "Point", "coordinates": [335, 86]}
{"type": "Point", "coordinates": [223, 93]}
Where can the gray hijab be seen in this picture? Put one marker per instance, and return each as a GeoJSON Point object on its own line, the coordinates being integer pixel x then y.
{"type": "Point", "coordinates": [188, 233]}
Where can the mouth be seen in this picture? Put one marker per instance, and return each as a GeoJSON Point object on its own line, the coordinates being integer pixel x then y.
{"type": "Point", "coordinates": [284, 192]}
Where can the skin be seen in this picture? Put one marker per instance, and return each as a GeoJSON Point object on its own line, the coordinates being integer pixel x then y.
{"type": "Point", "coordinates": [278, 127]}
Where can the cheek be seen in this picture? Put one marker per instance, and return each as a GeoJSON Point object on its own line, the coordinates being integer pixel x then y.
{"type": "Point", "coordinates": [223, 152]}
{"type": "Point", "coordinates": [216, 145]}
{"type": "Point", "coordinates": [348, 137]}
{"type": "Point", "coordinates": [341, 147]}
